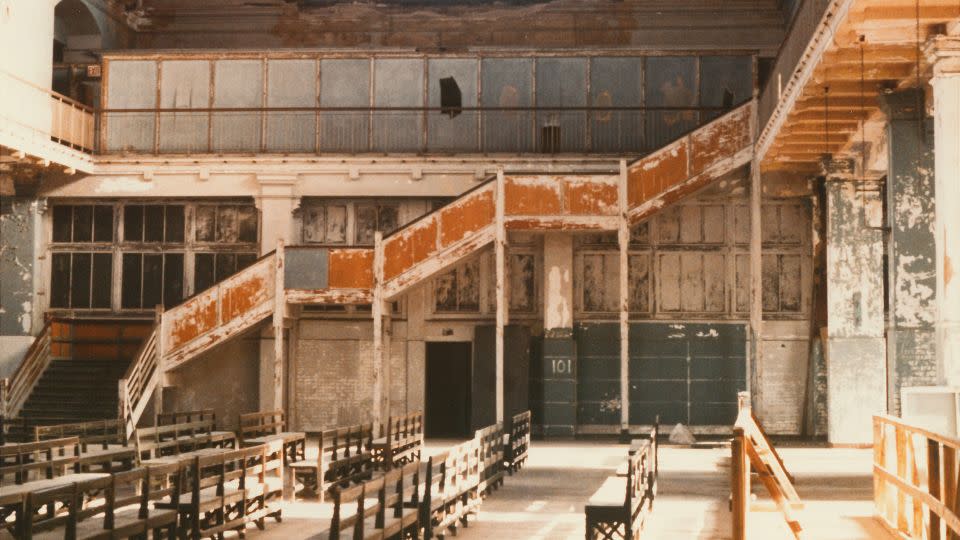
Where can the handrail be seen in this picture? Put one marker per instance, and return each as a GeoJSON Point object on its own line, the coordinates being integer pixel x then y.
{"type": "Point", "coordinates": [67, 122]}
{"type": "Point", "coordinates": [28, 373]}
{"type": "Point", "coordinates": [915, 475]}
{"type": "Point", "coordinates": [138, 382]}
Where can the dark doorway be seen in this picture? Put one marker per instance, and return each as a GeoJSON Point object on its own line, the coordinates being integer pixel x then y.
{"type": "Point", "coordinates": [448, 389]}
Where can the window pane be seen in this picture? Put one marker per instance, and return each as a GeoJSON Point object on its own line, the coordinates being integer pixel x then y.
{"type": "Point", "coordinates": [366, 223]}
{"type": "Point", "coordinates": [102, 223]}
{"type": "Point", "coordinates": [226, 265]}
{"type": "Point", "coordinates": [60, 280]}
{"type": "Point", "coordinates": [445, 291]}
{"type": "Point", "coordinates": [102, 279]}
{"type": "Point", "coordinates": [247, 216]}
{"type": "Point", "coordinates": [131, 280]}
{"type": "Point", "coordinates": [62, 222]}
{"type": "Point", "coordinates": [206, 223]}
{"type": "Point", "coordinates": [133, 223]}
{"type": "Point", "coordinates": [203, 274]}
{"type": "Point", "coordinates": [80, 281]}
{"type": "Point", "coordinates": [172, 279]}
{"type": "Point", "coordinates": [82, 223]}
{"type": "Point", "coordinates": [245, 259]}
{"type": "Point", "coordinates": [153, 223]}
{"type": "Point", "coordinates": [336, 232]}
{"type": "Point", "coordinates": [152, 280]}
{"type": "Point", "coordinates": [388, 218]}
{"type": "Point", "coordinates": [174, 226]}
{"type": "Point", "coordinates": [227, 224]}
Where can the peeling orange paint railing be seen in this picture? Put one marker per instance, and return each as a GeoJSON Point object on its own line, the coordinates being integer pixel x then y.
{"type": "Point", "coordinates": [915, 480]}
{"type": "Point", "coordinates": [28, 373]}
{"type": "Point", "coordinates": [139, 382]}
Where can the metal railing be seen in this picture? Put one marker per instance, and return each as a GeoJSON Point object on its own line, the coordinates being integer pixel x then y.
{"type": "Point", "coordinates": [808, 19]}
{"type": "Point", "coordinates": [47, 113]}
{"type": "Point", "coordinates": [526, 130]}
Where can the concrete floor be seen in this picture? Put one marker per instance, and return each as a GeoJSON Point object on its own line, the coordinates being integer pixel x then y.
{"type": "Point", "coordinates": [545, 500]}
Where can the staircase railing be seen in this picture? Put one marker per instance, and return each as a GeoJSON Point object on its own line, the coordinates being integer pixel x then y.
{"type": "Point", "coordinates": [139, 382]}
{"type": "Point", "coordinates": [20, 385]}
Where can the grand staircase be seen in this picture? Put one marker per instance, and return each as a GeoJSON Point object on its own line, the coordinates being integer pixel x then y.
{"type": "Point", "coordinates": [74, 391]}
{"type": "Point", "coordinates": [309, 274]}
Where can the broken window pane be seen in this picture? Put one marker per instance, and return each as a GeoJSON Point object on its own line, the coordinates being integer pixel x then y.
{"type": "Point", "coordinates": [388, 218]}
{"type": "Point", "coordinates": [468, 286]}
{"type": "Point", "coordinates": [445, 291]}
{"type": "Point", "coordinates": [593, 282]}
{"type": "Point", "coordinates": [313, 224]}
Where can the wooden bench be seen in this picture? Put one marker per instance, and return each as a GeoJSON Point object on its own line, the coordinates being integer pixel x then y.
{"type": "Point", "coordinates": [515, 454]}
{"type": "Point", "coordinates": [125, 511]}
{"type": "Point", "coordinates": [21, 463]}
{"type": "Point", "coordinates": [344, 457]}
{"type": "Point", "coordinates": [451, 489]}
{"type": "Point", "coordinates": [200, 415]}
{"type": "Point", "coordinates": [491, 458]}
{"type": "Point", "coordinates": [386, 506]}
{"type": "Point", "coordinates": [263, 427]}
{"type": "Point", "coordinates": [103, 443]}
{"type": "Point", "coordinates": [173, 439]}
{"type": "Point", "coordinates": [229, 489]}
{"type": "Point", "coordinates": [402, 442]}
{"type": "Point", "coordinates": [618, 509]}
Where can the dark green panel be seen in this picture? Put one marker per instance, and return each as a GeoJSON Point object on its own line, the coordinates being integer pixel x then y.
{"type": "Point", "coordinates": [559, 372]}
{"type": "Point", "coordinates": [516, 370]}
{"type": "Point", "coordinates": [598, 381]}
{"type": "Point", "coordinates": [483, 411]}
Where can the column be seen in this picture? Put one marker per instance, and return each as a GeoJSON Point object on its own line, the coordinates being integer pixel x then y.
{"type": "Point", "coordinates": [277, 201]}
{"type": "Point", "coordinates": [911, 249]}
{"type": "Point", "coordinates": [559, 348]}
{"type": "Point", "coordinates": [856, 351]}
{"type": "Point", "coordinates": [943, 52]}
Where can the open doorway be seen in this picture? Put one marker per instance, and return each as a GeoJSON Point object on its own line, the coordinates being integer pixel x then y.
{"type": "Point", "coordinates": [447, 412]}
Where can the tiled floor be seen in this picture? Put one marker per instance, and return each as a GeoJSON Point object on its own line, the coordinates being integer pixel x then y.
{"type": "Point", "coordinates": [545, 500]}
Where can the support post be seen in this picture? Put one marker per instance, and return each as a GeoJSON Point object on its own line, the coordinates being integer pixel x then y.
{"type": "Point", "coordinates": [377, 310]}
{"type": "Point", "coordinates": [501, 293]}
{"type": "Point", "coordinates": [943, 52]}
{"type": "Point", "coordinates": [739, 483]}
{"type": "Point", "coordinates": [279, 309]}
{"type": "Point", "coordinates": [623, 239]}
{"type": "Point", "coordinates": [756, 280]}
{"type": "Point", "coordinates": [161, 368]}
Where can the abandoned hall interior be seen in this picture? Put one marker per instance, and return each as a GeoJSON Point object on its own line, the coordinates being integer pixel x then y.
{"type": "Point", "coordinates": [618, 215]}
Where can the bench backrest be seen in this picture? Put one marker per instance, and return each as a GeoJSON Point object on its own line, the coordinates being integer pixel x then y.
{"type": "Point", "coordinates": [405, 427]}
{"type": "Point", "coordinates": [390, 492]}
{"type": "Point", "coordinates": [346, 441]}
{"type": "Point", "coordinates": [186, 417]}
{"type": "Point", "coordinates": [519, 441]}
{"type": "Point", "coordinates": [259, 424]}
{"type": "Point", "coordinates": [102, 432]}
{"type": "Point", "coordinates": [21, 463]}
{"type": "Point", "coordinates": [173, 438]}
{"type": "Point", "coordinates": [491, 450]}
{"type": "Point", "coordinates": [642, 473]}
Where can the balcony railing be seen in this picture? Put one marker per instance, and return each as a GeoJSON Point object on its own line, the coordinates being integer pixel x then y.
{"type": "Point", "coordinates": [45, 113]}
{"type": "Point", "coordinates": [604, 130]}
{"type": "Point", "coordinates": [804, 25]}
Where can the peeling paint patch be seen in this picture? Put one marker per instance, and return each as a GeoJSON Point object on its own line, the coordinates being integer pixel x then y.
{"type": "Point", "coordinates": [719, 139]}
{"type": "Point", "coordinates": [532, 196]}
{"type": "Point", "coordinates": [351, 269]}
{"type": "Point", "coordinates": [590, 197]}
{"type": "Point", "coordinates": [473, 213]}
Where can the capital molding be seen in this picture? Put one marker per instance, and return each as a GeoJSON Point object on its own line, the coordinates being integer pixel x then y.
{"type": "Point", "coordinates": [943, 53]}
{"type": "Point", "coordinates": [838, 168]}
